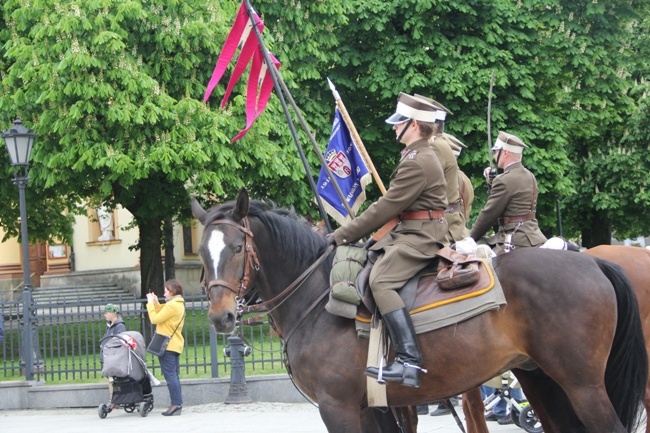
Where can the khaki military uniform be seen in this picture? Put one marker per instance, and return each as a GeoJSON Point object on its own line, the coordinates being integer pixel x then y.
{"type": "Point", "coordinates": [416, 184]}
{"type": "Point", "coordinates": [467, 196]}
{"type": "Point", "coordinates": [511, 204]}
{"type": "Point", "coordinates": [453, 214]}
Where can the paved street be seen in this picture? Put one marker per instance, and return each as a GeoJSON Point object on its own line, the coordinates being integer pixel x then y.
{"type": "Point", "coordinates": [216, 417]}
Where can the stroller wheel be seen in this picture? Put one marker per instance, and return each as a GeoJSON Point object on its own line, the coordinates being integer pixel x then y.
{"type": "Point", "coordinates": [143, 409]}
{"type": "Point", "coordinates": [129, 408]}
{"type": "Point", "coordinates": [102, 411]}
{"type": "Point", "coordinates": [529, 420]}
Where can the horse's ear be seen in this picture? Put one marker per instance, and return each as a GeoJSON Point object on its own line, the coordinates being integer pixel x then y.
{"type": "Point", "coordinates": [241, 208]}
{"type": "Point", "coordinates": [198, 212]}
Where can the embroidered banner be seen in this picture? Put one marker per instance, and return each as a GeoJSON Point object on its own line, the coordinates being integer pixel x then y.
{"type": "Point", "coordinates": [349, 169]}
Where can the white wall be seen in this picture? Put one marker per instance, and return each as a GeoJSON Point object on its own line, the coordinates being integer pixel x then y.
{"type": "Point", "coordinates": [92, 255]}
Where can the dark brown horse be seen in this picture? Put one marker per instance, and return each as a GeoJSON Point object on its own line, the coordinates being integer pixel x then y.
{"type": "Point", "coordinates": [636, 265]}
{"type": "Point", "coordinates": [571, 327]}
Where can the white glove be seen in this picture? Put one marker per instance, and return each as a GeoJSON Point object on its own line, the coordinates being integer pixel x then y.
{"type": "Point", "coordinates": [486, 173]}
{"type": "Point", "coordinates": [466, 246]}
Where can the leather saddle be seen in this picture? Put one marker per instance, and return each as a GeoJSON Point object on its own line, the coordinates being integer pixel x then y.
{"type": "Point", "coordinates": [450, 275]}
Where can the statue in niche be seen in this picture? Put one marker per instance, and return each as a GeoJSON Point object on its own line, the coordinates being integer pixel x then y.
{"type": "Point", "coordinates": [105, 219]}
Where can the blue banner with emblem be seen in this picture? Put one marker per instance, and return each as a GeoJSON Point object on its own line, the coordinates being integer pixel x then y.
{"type": "Point", "coordinates": [350, 172]}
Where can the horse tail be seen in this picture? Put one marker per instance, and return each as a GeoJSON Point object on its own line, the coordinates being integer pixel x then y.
{"type": "Point", "coordinates": [626, 373]}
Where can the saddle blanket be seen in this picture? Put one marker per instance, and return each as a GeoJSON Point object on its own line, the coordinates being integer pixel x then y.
{"type": "Point", "coordinates": [448, 308]}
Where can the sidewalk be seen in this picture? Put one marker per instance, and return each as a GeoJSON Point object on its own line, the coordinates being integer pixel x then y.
{"type": "Point", "coordinates": [221, 417]}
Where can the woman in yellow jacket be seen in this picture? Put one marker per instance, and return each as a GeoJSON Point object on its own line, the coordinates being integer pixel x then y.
{"type": "Point", "coordinates": [169, 319]}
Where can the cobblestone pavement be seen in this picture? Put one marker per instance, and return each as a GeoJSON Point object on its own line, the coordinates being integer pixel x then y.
{"type": "Point", "coordinates": [213, 418]}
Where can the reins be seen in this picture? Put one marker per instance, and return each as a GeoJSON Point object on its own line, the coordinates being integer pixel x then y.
{"type": "Point", "coordinates": [284, 295]}
{"type": "Point", "coordinates": [267, 306]}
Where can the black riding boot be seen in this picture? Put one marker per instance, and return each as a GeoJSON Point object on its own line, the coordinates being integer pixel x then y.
{"type": "Point", "coordinates": [406, 367]}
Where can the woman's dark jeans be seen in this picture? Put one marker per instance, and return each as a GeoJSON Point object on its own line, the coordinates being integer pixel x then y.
{"type": "Point", "coordinates": [171, 367]}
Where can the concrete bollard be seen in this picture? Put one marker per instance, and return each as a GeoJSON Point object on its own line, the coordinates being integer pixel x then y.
{"type": "Point", "coordinates": [236, 351]}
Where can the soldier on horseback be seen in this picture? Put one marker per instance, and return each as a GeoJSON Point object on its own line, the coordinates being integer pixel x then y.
{"type": "Point", "coordinates": [441, 144]}
{"type": "Point", "coordinates": [512, 201]}
{"type": "Point", "coordinates": [416, 202]}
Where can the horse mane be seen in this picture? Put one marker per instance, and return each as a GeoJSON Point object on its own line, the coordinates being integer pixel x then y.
{"type": "Point", "coordinates": [290, 232]}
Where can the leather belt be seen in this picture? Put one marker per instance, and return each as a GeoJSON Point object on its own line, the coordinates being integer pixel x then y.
{"type": "Point", "coordinates": [516, 219]}
{"type": "Point", "coordinates": [423, 215]}
{"type": "Point", "coordinates": [454, 207]}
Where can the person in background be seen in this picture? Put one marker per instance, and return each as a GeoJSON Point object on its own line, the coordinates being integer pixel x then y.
{"type": "Point", "coordinates": [512, 201]}
{"type": "Point", "coordinates": [114, 325]}
{"type": "Point", "coordinates": [441, 143]}
{"type": "Point", "coordinates": [169, 319]}
{"type": "Point", "coordinates": [464, 183]}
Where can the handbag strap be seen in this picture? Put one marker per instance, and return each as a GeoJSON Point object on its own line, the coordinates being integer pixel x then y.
{"type": "Point", "coordinates": [179, 324]}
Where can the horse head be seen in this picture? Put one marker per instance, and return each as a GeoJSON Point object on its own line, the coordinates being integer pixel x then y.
{"type": "Point", "coordinates": [229, 260]}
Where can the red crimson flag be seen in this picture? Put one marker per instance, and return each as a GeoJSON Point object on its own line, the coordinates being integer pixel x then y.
{"type": "Point", "coordinates": [260, 82]}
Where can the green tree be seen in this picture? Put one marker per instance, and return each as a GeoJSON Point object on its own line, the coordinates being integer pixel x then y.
{"type": "Point", "coordinates": [560, 85]}
{"type": "Point", "coordinates": [603, 71]}
{"type": "Point", "coordinates": [113, 89]}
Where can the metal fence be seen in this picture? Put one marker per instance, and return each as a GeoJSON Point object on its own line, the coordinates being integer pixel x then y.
{"type": "Point", "coordinates": [68, 336]}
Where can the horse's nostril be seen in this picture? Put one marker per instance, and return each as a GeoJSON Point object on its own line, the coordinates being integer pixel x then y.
{"type": "Point", "coordinates": [226, 319]}
{"type": "Point", "coordinates": [223, 322]}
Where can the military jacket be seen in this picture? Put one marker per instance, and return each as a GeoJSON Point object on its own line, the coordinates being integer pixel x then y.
{"type": "Point", "coordinates": [418, 183]}
{"type": "Point", "coordinates": [466, 193]}
{"type": "Point", "coordinates": [467, 197]}
{"type": "Point", "coordinates": [455, 220]}
{"type": "Point", "coordinates": [513, 193]}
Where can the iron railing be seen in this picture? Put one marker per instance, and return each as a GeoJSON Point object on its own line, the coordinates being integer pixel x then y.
{"type": "Point", "coordinates": [68, 334]}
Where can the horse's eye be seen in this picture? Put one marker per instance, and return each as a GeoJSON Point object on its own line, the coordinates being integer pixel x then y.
{"type": "Point", "coordinates": [239, 249]}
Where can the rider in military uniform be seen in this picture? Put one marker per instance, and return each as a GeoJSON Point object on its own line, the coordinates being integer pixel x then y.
{"type": "Point", "coordinates": [417, 196]}
{"type": "Point", "coordinates": [464, 183]}
{"type": "Point", "coordinates": [441, 145]}
{"type": "Point", "coordinates": [512, 201]}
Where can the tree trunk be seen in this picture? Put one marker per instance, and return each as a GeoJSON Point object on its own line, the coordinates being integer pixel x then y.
{"type": "Point", "coordinates": [599, 233]}
{"type": "Point", "coordinates": [151, 269]}
{"type": "Point", "coordinates": [170, 260]}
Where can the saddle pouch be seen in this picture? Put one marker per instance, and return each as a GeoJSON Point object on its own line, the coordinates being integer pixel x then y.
{"type": "Point", "coordinates": [349, 260]}
{"type": "Point", "coordinates": [456, 270]}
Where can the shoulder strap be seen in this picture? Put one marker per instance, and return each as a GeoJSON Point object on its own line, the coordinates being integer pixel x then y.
{"type": "Point", "coordinates": [179, 324]}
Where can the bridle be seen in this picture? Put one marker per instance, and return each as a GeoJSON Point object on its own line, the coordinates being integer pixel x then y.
{"type": "Point", "coordinates": [251, 261]}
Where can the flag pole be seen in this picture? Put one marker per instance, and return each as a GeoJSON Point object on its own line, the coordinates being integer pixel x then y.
{"type": "Point", "coordinates": [489, 120]}
{"type": "Point", "coordinates": [281, 89]}
{"type": "Point", "coordinates": [356, 137]}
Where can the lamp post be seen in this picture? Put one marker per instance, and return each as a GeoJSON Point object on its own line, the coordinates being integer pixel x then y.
{"type": "Point", "coordinates": [19, 141]}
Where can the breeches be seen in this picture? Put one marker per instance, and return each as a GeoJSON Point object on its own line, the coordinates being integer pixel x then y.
{"type": "Point", "coordinates": [391, 271]}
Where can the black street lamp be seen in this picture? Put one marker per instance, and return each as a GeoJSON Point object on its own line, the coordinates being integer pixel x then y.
{"type": "Point", "coordinates": [19, 141]}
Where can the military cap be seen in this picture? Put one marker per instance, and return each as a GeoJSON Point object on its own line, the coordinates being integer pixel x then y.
{"type": "Point", "coordinates": [455, 144]}
{"type": "Point", "coordinates": [443, 111]}
{"type": "Point", "coordinates": [509, 142]}
{"type": "Point", "coordinates": [410, 107]}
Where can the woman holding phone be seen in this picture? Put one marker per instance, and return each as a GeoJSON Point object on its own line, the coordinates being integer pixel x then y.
{"type": "Point", "coordinates": [169, 319]}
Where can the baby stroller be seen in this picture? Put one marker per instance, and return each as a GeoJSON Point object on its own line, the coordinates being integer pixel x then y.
{"type": "Point", "coordinates": [124, 362]}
